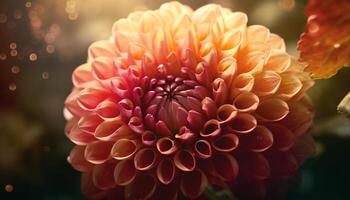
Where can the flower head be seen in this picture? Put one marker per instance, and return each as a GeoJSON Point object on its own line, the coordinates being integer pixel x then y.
{"type": "Point", "coordinates": [179, 99]}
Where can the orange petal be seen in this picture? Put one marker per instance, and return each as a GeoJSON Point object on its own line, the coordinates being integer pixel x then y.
{"type": "Point", "coordinates": [246, 102]}
{"type": "Point", "coordinates": [272, 110]}
{"type": "Point", "coordinates": [325, 43]}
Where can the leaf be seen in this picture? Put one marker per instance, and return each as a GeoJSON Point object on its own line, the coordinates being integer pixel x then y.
{"type": "Point", "coordinates": [325, 43]}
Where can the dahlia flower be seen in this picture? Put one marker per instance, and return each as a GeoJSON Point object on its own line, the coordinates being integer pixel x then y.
{"type": "Point", "coordinates": [177, 100]}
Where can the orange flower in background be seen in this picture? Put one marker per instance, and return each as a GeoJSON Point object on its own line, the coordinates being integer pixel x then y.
{"type": "Point", "coordinates": [178, 100]}
{"type": "Point", "coordinates": [325, 44]}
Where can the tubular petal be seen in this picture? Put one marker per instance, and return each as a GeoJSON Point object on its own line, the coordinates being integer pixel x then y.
{"type": "Point", "coordinates": [203, 149]}
{"type": "Point", "coordinates": [166, 146]}
{"type": "Point", "coordinates": [193, 183]}
{"type": "Point", "coordinates": [258, 140]}
{"type": "Point", "coordinates": [209, 107]}
{"type": "Point", "coordinates": [82, 74]}
{"type": "Point", "coordinates": [124, 172]}
{"type": "Point", "coordinates": [142, 187]}
{"type": "Point", "coordinates": [98, 152]}
{"type": "Point", "coordinates": [80, 137]}
{"type": "Point", "coordinates": [149, 138]}
{"type": "Point", "coordinates": [253, 165]}
{"type": "Point", "coordinates": [102, 175]}
{"type": "Point", "coordinates": [123, 149]}
{"type": "Point", "coordinates": [110, 130]}
{"type": "Point", "coordinates": [166, 171]}
{"type": "Point", "coordinates": [246, 102]}
{"type": "Point", "coordinates": [226, 113]}
{"type": "Point", "coordinates": [146, 159]}
{"type": "Point", "coordinates": [225, 166]}
{"type": "Point", "coordinates": [242, 123]}
{"type": "Point", "coordinates": [185, 160]}
{"type": "Point", "coordinates": [283, 138]}
{"type": "Point", "coordinates": [226, 143]}
{"type": "Point", "coordinates": [272, 110]}
{"type": "Point", "coordinates": [266, 83]}
{"type": "Point", "coordinates": [211, 128]}
{"type": "Point", "coordinates": [77, 160]}
{"type": "Point", "coordinates": [89, 123]}
{"type": "Point", "coordinates": [107, 109]}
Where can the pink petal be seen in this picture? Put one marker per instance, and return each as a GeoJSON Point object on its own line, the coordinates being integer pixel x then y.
{"type": "Point", "coordinates": [89, 123]}
{"type": "Point", "coordinates": [98, 152]}
{"type": "Point", "coordinates": [166, 146]}
{"type": "Point", "coordinates": [283, 138]}
{"type": "Point", "coordinates": [193, 184]}
{"type": "Point", "coordinates": [90, 97]}
{"type": "Point", "coordinates": [142, 187]}
{"type": "Point", "coordinates": [102, 48]}
{"type": "Point", "coordinates": [149, 138]}
{"type": "Point", "coordinates": [211, 128]}
{"type": "Point", "coordinates": [102, 175]}
{"type": "Point", "coordinates": [253, 165]}
{"type": "Point", "coordinates": [77, 160]}
{"type": "Point", "coordinates": [80, 137]}
{"type": "Point", "coordinates": [225, 166]}
{"type": "Point", "coordinates": [203, 149]}
{"type": "Point", "coordinates": [185, 160]}
{"type": "Point", "coordinates": [107, 109]}
{"type": "Point", "coordinates": [226, 113]}
{"type": "Point", "coordinates": [242, 123]}
{"type": "Point", "coordinates": [110, 130]}
{"type": "Point", "coordinates": [123, 149]}
{"type": "Point", "coordinates": [185, 135]}
{"type": "Point", "coordinates": [166, 171]}
{"type": "Point", "coordinates": [226, 143]}
{"type": "Point", "coordinates": [124, 172]}
{"type": "Point", "coordinates": [209, 107]}
{"type": "Point", "coordinates": [145, 159]}
{"type": "Point", "coordinates": [272, 110]}
{"type": "Point", "coordinates": [219, 91]}
{"type": "Point", "coordinates": [195, 120]}
{"type": "Point", "coordinates": [89, 189]}
{"type": "Point", "coordinates": [82, 74]}
{"type": "Point", "coordinates": [260, 139]}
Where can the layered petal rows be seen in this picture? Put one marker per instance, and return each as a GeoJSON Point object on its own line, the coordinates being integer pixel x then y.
{"type": "Point", "coordinates": [177, 100]}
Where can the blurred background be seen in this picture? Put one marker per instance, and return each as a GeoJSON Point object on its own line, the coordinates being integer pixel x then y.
{"type": "Point", "coordinates": [42, 41]}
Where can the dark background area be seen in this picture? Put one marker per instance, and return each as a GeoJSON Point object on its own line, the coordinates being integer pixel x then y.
{"type": "Point", "coordinates": [42, 41]}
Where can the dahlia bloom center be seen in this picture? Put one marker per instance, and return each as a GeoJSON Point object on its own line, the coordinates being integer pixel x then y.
{"type": "Point", "coordinates": [168, 100]}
